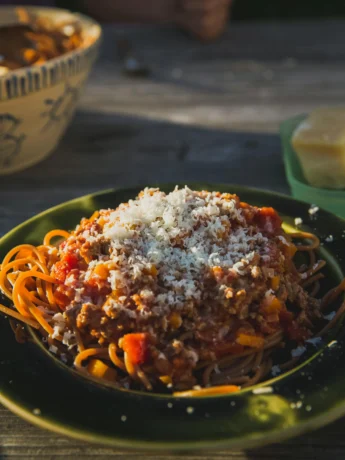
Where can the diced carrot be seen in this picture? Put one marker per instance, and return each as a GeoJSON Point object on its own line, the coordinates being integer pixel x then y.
{"type": "Point", "coordinates": [175, 320]}
{"type": "Point", "coordinates": [101, 221]}
{"type": "Point", "coordinates": [94, 216]}
{"type": "Point", "coordinates": [275, 305]}
{"type": "Point", "coordinates": [138, 301]}
{"type": "Point", "coordinates": [250, 340]}
{"type": "Point", "coordinates": [153, 270]}
{"type": "Point", "coordinates": [136, 347]}
{"type": "Point", "coordinates": [275, 282]}
{"type": "Point", "coordinates": [98, 369]}
{"type": "Point", "coordinates": [271, 304]}
{"type": "Point", "coordinates": [218, 273]}
{"type": "Point", "coordinates": [102, 271]}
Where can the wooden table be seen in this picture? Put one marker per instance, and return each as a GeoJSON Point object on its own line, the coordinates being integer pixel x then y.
{"type": "Point", "coordinates": [207, 112]}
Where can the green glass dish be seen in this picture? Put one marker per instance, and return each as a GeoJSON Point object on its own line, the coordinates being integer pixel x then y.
{"type": "Point", "coordinates": [49, 394]}
{"type": "Point", "coordinates": [331, 200]}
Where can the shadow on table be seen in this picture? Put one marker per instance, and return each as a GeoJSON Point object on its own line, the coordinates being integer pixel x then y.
{"type": "Point", "coordinates": [105, 150]}
{"type": "Point", "coordinates": [326, 442]}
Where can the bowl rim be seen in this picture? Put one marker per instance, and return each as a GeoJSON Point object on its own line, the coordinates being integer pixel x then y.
{"type": "Point", "coordinates": [70, 54]}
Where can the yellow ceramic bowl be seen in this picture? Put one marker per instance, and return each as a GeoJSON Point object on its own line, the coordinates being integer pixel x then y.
{"type": "Point", "coordinates": [38, 102]}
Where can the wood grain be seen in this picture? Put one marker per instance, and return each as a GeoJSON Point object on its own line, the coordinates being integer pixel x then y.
{"type": "Point", "coordinates": [207, 112]}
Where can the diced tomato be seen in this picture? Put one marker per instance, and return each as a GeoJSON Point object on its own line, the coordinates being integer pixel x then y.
{"type": "Point", "coordinates": [285, 317]}
{"type": "Point", "coordinates": [136, 347]}
{"type": "Point", "coordinates": [62, 268]}
{"type": "Point", "coordinates": [268, 220]}
{"type": "Point", "coordinates": [297, 332]}
{"type": "Point", "coordinates": [71, 260]}
{"type": "Point", "coordinates": [293, 330]}
{"type": "Point", "coordinates": [179, 364]}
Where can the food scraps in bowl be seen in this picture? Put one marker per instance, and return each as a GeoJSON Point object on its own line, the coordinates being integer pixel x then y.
{"type": "Point", "coordinates": [35, 40]}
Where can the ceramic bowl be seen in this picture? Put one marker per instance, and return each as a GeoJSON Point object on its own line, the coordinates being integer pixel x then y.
{"type": "Point", "coordinates": [38, 102]}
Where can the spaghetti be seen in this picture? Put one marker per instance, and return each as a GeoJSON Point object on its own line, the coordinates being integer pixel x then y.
{"type": "Point", "coordinates": [191, 292]}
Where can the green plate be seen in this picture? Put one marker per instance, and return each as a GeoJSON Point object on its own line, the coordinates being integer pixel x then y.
{"type": "Point", "coordinates": [308, 397]}
{"type": "Point", "coordinates": [332, 200]}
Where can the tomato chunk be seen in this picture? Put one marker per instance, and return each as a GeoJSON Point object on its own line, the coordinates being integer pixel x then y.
{"type": "Point", "coordinates": [297, 332]}
{"type": "Point", "coordinates": [136, 347]}
{"type": "Point", "coordinates": [268, 220]}
{"type": "Point", "coordinates": [62, 268]}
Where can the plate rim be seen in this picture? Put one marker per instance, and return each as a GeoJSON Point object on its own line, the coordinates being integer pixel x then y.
{"type": "Point", "coordinates": [276, 435]}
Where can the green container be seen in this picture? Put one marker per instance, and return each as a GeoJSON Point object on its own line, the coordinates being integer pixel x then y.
{"type": "Point", "coordinates": [331, 200]}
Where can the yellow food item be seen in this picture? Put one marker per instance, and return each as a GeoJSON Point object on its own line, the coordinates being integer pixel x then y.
{"type": "Point", "coordinates": [101, 371]}
{"type": "Point", "coordinates": [166, 379]}
{"type": "Point", "coordinates": [319, 142]}
{"type": "Point", "coordinates": [250, 340]}
{"type": "Point", "coordinates": [275, 282]}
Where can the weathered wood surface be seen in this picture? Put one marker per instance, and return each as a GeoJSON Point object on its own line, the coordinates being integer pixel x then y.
{"type": "Point", "coordinates": [207, 112]}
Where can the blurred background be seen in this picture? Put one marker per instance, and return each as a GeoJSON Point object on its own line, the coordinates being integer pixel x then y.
{"type": "Point", "coordinates": [246, 9]}
{"type": "Point", "coordinates": [242, 9]}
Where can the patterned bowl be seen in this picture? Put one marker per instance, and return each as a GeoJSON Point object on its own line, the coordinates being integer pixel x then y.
{"type": "Point", "coordinates": [38, 102]}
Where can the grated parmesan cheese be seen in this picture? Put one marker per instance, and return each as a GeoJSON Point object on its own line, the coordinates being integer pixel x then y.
{"type": "Point", "coordinates": [53, 349]}
{"type": "Point", "coordinates": [181, 235]}
{"type": "Point", "coordinates": [296, 352]}
{"type": "Point", "coordinates": [275, 370]}
{"type": "Point", "coordinates": [263, 390]}
{"type": "Point", "coordinates": [313, 209]}
{"type": "Point", "coordinates": [330, 316]}
{"type": "Point", "coordinates": [316, 341]}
